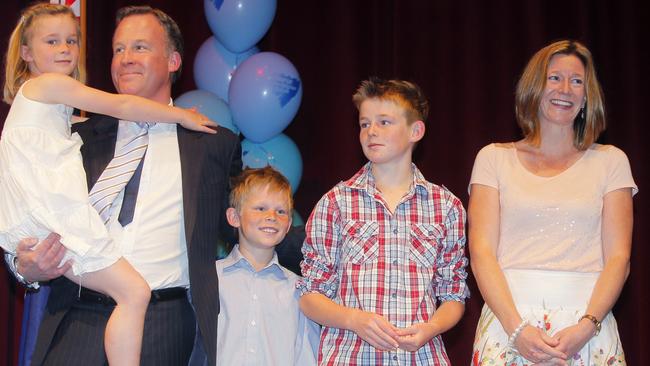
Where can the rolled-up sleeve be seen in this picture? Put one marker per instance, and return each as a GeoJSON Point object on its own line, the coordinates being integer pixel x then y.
{"type": "Point", "coordinates": [451, 273]}
{"type": "Point", "coordinates": [321, 249]}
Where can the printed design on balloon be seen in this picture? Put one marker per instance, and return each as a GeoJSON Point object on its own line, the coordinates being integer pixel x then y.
{"type": "Point", "coordinates": [217, 4]}
{"type": "Point", "coordinates": [286, 87]}
{"type": "Point", "coordinates": [252, 93]}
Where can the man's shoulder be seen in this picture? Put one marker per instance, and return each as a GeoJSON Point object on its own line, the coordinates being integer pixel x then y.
{"type": "Point", "coordinates": [93, 122]}
{"type": "Point", "coordinates": [223, 134]}
{"type": "Point", "coordinates": [222, 144]}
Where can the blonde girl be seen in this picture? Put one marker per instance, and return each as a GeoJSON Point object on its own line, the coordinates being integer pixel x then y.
{"type": "Point", "coordinates": [42, 180]}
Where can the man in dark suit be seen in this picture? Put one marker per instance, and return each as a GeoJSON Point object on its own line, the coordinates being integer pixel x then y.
{"type": "Point", "coordinates": [177, 219]}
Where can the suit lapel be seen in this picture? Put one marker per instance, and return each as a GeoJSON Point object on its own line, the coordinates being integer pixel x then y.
{"type": "Point", "coordinates": [192, 155]}
{"type": "Point", "coordinates": [99, 135]}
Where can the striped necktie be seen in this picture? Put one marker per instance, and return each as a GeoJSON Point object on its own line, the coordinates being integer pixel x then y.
{"type": "Point", "coordinates": [119, 171]}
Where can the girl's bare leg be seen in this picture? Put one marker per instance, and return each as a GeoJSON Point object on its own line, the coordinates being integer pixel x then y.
{"type": "Point", "coordinates": [123, 335]}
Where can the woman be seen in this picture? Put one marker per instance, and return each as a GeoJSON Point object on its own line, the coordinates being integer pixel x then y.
{"type": "Point", "coordinates": [551, 223]}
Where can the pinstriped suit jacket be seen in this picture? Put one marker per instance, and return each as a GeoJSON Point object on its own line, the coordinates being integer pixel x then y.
{"type": "Point", "coordinates": [207, 164]}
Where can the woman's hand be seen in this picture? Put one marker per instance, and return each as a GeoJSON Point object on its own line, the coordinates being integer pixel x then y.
{"type": "Point", "coordinates": [535, 345]}
{"type": "Point", "coordinates": [572, 339]}
{"type": "Point", "coordinates": [552, 362]}
{"type": "Point", "coordinates": [195, 121]}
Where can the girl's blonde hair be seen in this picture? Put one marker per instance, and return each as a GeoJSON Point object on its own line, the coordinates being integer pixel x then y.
{"type": "Point", "coordinates": [589, 122]}
{"type": "Point", "coordinates": [16, 69]}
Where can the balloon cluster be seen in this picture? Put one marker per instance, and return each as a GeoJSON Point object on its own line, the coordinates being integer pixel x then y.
{"type": "Point", "coordinates": [244, 90]}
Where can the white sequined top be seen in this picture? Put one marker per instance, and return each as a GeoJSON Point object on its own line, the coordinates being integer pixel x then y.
{"type": "Point", "coordinates": [552, 223]}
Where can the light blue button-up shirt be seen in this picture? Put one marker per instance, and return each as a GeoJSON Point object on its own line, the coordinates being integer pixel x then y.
{"type": "Point", "coordinates": [260, 322]}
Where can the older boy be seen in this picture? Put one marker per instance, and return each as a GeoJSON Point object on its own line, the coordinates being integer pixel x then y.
{"type": "Point", "coordinates": [260, 322]}
{"type": "Point", "coordinates": [382, 246]}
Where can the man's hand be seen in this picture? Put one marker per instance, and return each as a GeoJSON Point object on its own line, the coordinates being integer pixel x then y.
{"type": "Point", "coordinates": [375, 330]}
{"type": "Point", "coordinates": [41, 263]}
{"type": "Point", "coordinates": [415, 336]}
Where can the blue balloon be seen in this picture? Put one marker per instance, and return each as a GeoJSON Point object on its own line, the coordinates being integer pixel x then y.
{"type": "Point", "coordinates": [279, 152]}
{"type": "Point", "coordinates": [214, 66]}
{"type": "Point", "coordinates": [210, 105]}
{"type": "Point", "coordinates": [239, 24]}
{"type": "Point", "coordinates": [265, 93]}
{"type": "Point", "coordinates": [296, 219]}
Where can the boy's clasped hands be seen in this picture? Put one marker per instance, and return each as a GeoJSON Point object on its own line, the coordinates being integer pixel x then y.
{"type": "Point", "coordinates": [381, 334]}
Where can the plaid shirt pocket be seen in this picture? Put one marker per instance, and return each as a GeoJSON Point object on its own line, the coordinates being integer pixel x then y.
{"type": "Point", "coordinates": [425, 242]}
{"type": "Point", "coordinates": [360, 242]}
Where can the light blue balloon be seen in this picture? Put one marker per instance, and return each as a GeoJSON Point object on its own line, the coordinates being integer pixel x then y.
{"type": "Point", "coordinates": [210, 105]}
{"type": "Point", "coordinates": [264, 95]}
{"type": "Point", "coordinates": [214, 66]}
{"type": "Point", "coordinates": [239, 24]}
{"type": "Point", "coordinates": [296, 219]}
{"type": "Point", "coordinates": [279, 152]}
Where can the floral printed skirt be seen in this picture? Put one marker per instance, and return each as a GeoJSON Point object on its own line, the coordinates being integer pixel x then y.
{"type": "Point", "coordinates": [550, 300]}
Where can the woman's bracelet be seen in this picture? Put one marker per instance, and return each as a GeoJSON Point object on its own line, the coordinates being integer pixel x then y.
{"type": "Point", "coordinates": [515, 334]}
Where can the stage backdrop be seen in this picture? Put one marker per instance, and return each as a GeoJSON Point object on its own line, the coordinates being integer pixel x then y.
{"type": "Point", "coordinates": [466, 55]}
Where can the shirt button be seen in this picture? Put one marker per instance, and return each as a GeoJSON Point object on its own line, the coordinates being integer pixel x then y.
{"type": "Point", "coordinates": [253, 322]}
{"type": "Point", "coordinates": [394, 358]}
{"type": "Point", "coordinates": [254, 296]}
{"type": "Point", "coordinates": [393, 295]}
{"type": "Point", "coordinates": [395, 261]}
{"type": "Point", "coordinates": [395, 231]}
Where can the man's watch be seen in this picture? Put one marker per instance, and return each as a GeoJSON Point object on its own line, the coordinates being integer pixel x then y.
{"type": "Point", "coordinates": [14, 269]}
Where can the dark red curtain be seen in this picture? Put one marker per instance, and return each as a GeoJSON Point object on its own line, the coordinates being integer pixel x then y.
{"type": "Point", "coordinates": [466, 55]}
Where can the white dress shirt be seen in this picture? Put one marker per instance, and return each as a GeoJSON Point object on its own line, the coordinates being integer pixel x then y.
{"type": "Point", "coordinates": [154, 242]}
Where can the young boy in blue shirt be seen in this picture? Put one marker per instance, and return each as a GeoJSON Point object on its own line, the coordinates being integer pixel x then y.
{"type": "Point", "coordinates": [260, 322]}
{"type": "Point", "coordinates": [384, 264]}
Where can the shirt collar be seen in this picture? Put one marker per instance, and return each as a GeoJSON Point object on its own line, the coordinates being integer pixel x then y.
{"type": "Point", "coordinates": [235, 260]}
{"type": "Point", "coordinates": [155, 126]}
{"type": "Point", "coordinates": [365, 181]}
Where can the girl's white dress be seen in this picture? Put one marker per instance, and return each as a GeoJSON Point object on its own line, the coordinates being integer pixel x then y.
{"type": "Point", "coordinates": [43, 186]}
{"type": "Point", "coordinates": [550, 247]}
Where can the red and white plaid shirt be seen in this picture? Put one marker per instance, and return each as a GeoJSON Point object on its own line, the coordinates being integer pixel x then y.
{"type": "Point", "coordinates": [361, 256]}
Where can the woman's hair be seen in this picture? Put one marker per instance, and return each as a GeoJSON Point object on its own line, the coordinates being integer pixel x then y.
{"type": "Point", "coordinates": [588, 124]}
{"type": "Point", "coordinates": [16, 69]}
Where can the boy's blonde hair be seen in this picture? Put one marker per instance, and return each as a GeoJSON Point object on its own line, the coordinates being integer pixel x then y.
{"type": "Point", "coordinates": [16, 69]}
{"type": "Point", "coordinates": [259, 178]}
{"type": "Point", "coordinates": [404, 93]}
{"type": "Point", "coordinates": [532, 84]}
